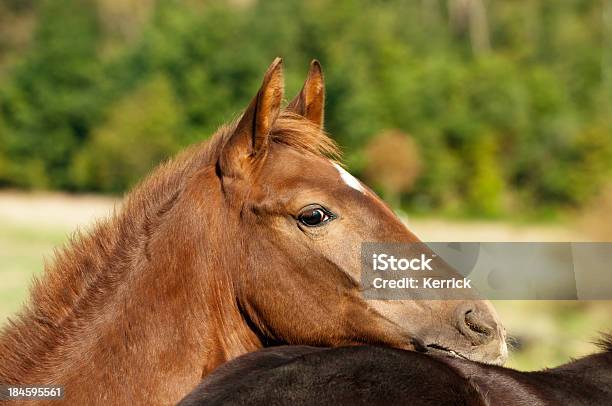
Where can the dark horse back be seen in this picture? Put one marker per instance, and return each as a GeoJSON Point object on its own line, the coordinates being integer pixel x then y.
{"type": "Point", "coordinates": [359, 375]}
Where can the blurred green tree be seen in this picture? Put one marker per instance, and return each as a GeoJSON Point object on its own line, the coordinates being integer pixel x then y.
{"type": "Point", "coordinates": [393, 164]}
{"type": "Point", "coordinates": [140, 131]}
{"type": "Point", "coordinates": [51, 101]}
{"type": "Point", "coordinates": [508, 103]}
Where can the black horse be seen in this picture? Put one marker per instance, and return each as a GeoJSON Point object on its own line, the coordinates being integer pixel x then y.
{"type": "Point", "coordinates": [367, 375]}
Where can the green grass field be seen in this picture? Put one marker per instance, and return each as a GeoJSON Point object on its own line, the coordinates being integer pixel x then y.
{"type": "Point", "coordinates": [22, 250]}
{"type": "Point", "coordinates": [545, 333]}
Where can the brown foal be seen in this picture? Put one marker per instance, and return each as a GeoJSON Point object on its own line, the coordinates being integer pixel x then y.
{"type": "Point", "coordinates": [247, 240]}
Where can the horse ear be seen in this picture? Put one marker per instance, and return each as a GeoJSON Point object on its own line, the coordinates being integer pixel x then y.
{"type": "Point", "coordinates": [251, 137]}
{"type": "Point", "coordinates": [310, 102]}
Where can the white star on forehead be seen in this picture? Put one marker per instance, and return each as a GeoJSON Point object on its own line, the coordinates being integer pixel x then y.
{"type": "Point", "coordinates": [349, 179]}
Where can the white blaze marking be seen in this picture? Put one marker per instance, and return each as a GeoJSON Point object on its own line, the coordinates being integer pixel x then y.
{"type": "Point", "coordinates": [349, 179]}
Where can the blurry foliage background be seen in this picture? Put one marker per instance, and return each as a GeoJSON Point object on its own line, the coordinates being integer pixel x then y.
{"type": "Point", "coordinates": [507, 104]}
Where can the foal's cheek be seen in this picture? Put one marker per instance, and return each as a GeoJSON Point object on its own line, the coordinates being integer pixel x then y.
{"type": "Point", "coordinates": [342, 248]}
{"type": "Point", "coordinates": [324, 249]}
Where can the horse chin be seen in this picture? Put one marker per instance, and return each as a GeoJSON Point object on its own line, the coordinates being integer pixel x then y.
{"type": "Point", "coordinates": [487, 357]}
{"type": "Point", "coordinates": [436, 349]}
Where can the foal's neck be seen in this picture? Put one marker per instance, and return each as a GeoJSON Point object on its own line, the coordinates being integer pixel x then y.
{"type": "Point", "coordinates": [102, 303]}
{"type": "Point", "coordinates": [128, 306]}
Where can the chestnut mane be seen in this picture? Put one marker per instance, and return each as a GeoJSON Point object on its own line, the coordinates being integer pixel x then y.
{"type": "Point", "coordinates": [94, 263]}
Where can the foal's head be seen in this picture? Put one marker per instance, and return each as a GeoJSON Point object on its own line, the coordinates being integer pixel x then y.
{"type": "Point", "coordinates": [299, 220]}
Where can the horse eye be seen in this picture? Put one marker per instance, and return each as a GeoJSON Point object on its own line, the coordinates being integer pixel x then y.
{"type": "Point", "coordinates": [314, 216]}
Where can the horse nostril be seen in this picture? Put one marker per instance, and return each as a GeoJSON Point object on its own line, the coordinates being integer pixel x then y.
{"type": "Point", "coordinates": [473, 324]}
